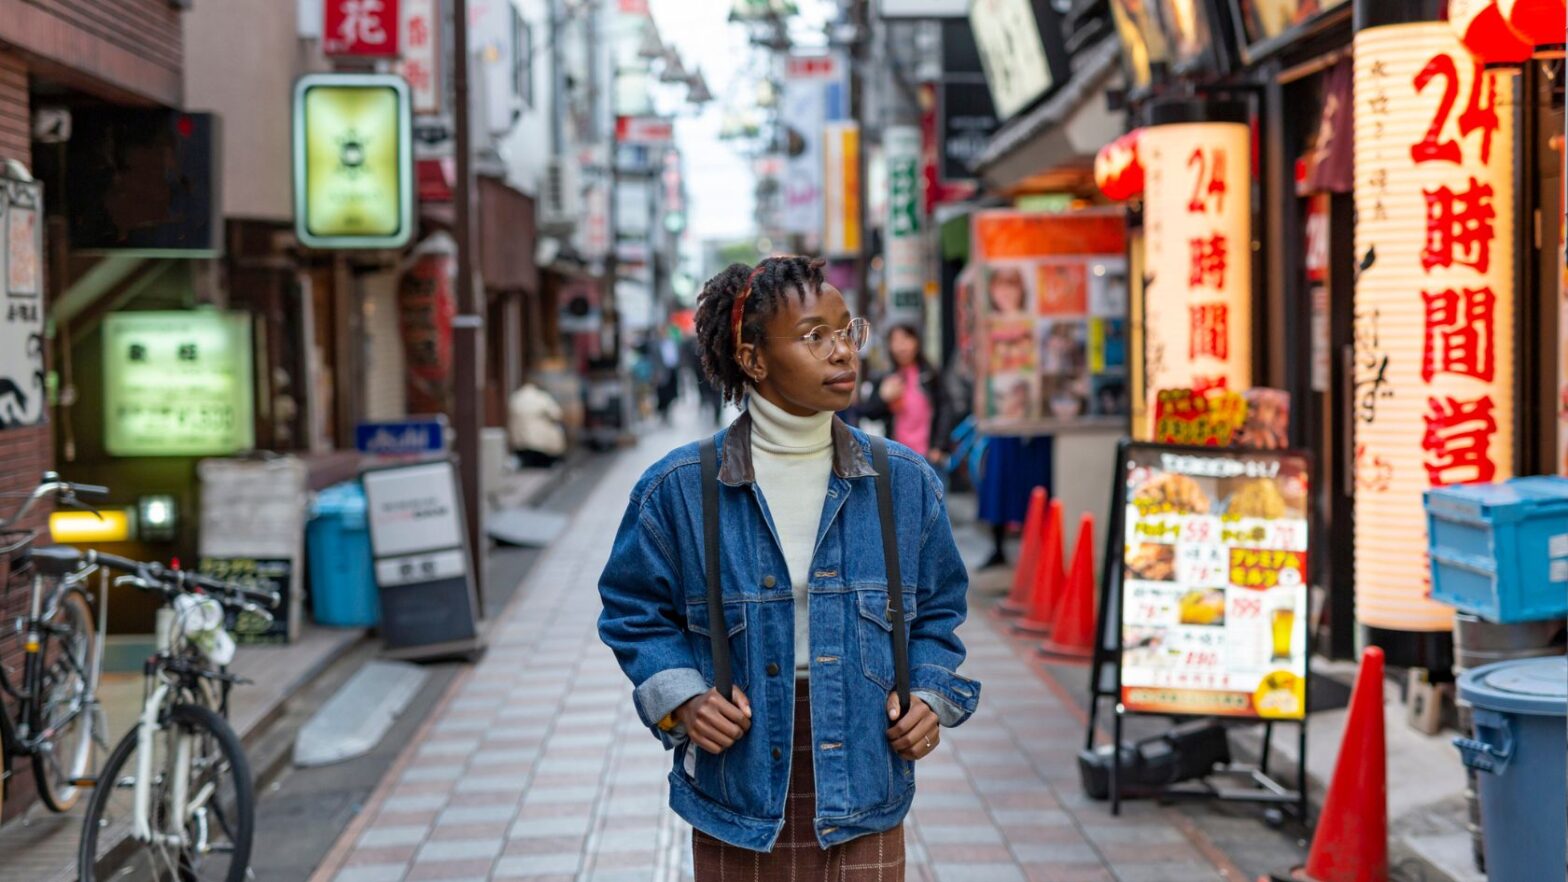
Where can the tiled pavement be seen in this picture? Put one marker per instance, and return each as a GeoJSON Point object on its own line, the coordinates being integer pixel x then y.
{"type": "Point", "coordinates": [536, 767]}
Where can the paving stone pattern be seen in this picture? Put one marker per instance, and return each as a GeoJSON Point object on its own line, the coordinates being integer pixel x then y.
{"type": "Point", "coordinates": [537, 768]}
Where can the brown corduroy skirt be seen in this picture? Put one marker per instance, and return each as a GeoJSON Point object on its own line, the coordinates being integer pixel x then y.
{"type": "Point", "coordinates": [797, 857]}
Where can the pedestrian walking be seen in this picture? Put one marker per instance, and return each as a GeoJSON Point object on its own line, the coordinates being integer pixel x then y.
{"type": "Point", "coordinates": [835, 685]}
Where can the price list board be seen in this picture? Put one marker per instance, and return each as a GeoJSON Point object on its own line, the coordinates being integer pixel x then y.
{"type": "Point", "coordinates": [1214, 579]}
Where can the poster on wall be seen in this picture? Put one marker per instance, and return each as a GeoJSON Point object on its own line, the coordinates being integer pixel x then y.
{"type": "Point", "coordinates": [177, 383]}
{"type": "Point", "coordinates": [22, 389]}
{"type": "Point", "coordinates": [1433, 362]}
{"type": "Point", "coordinates": [1214, 582]}
{"type": "Point", "coordinates": [1050, 315]}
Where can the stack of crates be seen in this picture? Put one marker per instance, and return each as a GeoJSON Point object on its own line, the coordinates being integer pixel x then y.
{"type": "Point", "coordinates": [1500, 551]}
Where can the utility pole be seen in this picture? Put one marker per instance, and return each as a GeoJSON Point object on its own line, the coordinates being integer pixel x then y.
{"type": "Point", "coordinates": [857, 111]}
{"type": "Point", "coordinates": [468, 324]}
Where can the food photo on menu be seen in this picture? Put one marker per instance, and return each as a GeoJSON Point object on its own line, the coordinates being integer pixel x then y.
{"type": "Point", "coordinates": [1215, 583]}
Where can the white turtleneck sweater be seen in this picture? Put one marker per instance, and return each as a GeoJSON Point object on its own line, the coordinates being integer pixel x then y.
{"type": "Point", "coordinates": [792, 457]}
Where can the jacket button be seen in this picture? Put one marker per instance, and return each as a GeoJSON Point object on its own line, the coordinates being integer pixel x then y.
{"type": "Point", "coordinates": [769, 581]}
{"type": "Point", "coordinates": [773, 669]}
{"type": "Point", "coordinates": [778, 754]}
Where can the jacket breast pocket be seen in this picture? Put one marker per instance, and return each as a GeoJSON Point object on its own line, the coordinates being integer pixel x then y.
{"type": "Point", "coordinates": [875, 624]}
{"type": "Point", "coordinates": [698, 634]}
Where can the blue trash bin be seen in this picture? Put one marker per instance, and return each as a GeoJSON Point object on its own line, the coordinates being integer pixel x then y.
{"type": "Point", "coordinates": [1518, 750]}
{"type": "Point", "coordinates": [342, 583]}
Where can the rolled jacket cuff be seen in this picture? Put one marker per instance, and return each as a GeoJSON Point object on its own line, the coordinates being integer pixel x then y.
{"type": "Point", "coordinates": [955, 697]}
{"type": "Point", "coordinates": [665, 691]}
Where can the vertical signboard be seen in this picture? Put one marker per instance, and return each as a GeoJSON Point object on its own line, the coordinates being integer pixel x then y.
{"type": "Point", "coordinates": [21, 308]}
{"type": "Point", "coordinates": [421, 66]}
{"type": "Point", "coordinates": [905, 256]}
{"type": "Point", "coordinates": [813, 96]}
{"type": "Point", "coordinates": [177, 383]}
{"type": "Point", "coordinates": [361, 28]}
{"type": "Point", "coordinates": [1198, 248]}
{"type": "Point", "coordinates": [1434, 305]}
{"type": "Point", "coordinates": [841, 189]}
{"type": "Point", "coordinates": [353, 161]}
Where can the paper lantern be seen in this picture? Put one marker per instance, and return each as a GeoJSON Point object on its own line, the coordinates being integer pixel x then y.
{"type": "Point", "coordinates": [1542, 23]}
{"type": "Point", "coordinates": [1481, 27]}
{"type": "Point", "coordinates": [1434, 303]}
{"type": "Point", "coordinates": [1118, 172]}
{"type": "Point", "coordinates": [1197, 222]}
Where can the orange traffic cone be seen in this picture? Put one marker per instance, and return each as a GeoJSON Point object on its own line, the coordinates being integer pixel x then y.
{"type": "Point", "coordinates": [1073, 635]}
{"type": "Point", "coordinates": [1047, 581]}
{"type": "Point", "coordinates": [1351, 843]}
{"type": "Point", "coordinates": [1017, 602]}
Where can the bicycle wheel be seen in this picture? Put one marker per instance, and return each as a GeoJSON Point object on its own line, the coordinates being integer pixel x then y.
{"type": "Point", "coordinates": [65, 709]}
{"type": "Point", "coordinates": [206, 840]}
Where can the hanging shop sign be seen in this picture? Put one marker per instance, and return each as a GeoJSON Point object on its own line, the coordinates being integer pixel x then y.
{"type": "Point", "coordinates": [1214, 582]}
{"type": "Point", "coordinates": [421, 67]}
{"type": "Point", "coordinates": [841, 189]}
{"type": "Point", "coordinates": [814, 94]}
{"type": "Point", "coordinates": [177, 383]}
{"type": "Point", "coordinates": [353, 161]}
{"type": "Point", "coordinates": [646, 131]}
{"type": "Point", "coordinates": [922, 8]}
{"type": "Point", "coordinates": [1434, 302]}
{"type": "Point", "coordinates": [1198, 240]}
{"type": "Point", "coordinates": [427, 304]}
{"type": "Point", "coordinates": [360, 28]}
{"type": "Point", "coordinates": [905, 253]}
{"type": "Point", "coordinates": [967, 120]}
{"type": "Point", "coordinates": [1483, 30]}
{"type": "Point", "coordinates": [1021, 48]}
{"type": "Point", "coordinates": [1118, 171]}
{"type": "Point", "coordinates": [22, 389]}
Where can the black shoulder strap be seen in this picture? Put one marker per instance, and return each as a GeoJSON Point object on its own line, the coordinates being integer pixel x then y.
{"type": "Point", "coordinates": [895, 581]}
{"type": "Point", "coordinates": [718, 631]}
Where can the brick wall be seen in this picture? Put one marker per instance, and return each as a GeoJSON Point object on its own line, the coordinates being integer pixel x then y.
{"type": "Point", "coordinates": [126, 51]}
{"type": "Point", "coordinates": [24, 453]}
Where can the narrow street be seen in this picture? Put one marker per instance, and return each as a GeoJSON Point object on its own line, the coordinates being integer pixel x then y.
{"type": "Point", "coordinates": [535, 766]}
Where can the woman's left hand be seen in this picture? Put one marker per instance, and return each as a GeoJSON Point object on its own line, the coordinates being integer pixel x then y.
{"type": "Point", "coordinates": [916, 735]}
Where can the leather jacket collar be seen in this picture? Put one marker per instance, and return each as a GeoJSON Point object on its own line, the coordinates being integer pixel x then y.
{"type": "Point", "coordinates": [849, 456]}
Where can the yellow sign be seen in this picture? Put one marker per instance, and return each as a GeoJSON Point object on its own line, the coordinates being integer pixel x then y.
{"type": "Point", "coordinates": [841, 189]}
{"type": "Point", "coordinates": [353, 161]}
{"type": "Point", "coordinates": [177, 383]}
{"type": "Point", "coordinates": [85, 527]}
{"type": "Point", "coordinates": [1433, 401]}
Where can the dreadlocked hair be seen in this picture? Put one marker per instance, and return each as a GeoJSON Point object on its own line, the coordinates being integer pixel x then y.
{"type": "Point", "coordinates": [772, 280]}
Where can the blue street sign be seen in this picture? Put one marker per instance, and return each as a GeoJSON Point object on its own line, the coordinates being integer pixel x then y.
{"type": "Point", "coordinates": [402, 437]}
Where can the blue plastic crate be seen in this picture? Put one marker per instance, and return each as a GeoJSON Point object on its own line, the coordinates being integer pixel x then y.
{"type": "Point", "coordinates": [1500, 551]}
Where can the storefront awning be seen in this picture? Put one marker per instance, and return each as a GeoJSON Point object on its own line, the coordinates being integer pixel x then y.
{"type": "Point", "coordinates": [1065, 131]}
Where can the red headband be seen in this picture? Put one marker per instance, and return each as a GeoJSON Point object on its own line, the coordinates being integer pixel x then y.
{"type": "Point", "coordinates": [737, 311]}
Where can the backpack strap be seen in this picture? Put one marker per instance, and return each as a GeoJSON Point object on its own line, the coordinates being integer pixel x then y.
{"type": "Point", "coordinates": [718, 632]}
{"type": "Point", "coordinates": [895, 582]}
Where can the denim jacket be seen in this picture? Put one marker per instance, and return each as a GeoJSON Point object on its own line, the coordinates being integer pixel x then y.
{"type": "Point", "coordinates": [655, 619]}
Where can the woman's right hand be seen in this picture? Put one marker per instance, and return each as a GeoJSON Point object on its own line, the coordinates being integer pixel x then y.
{"type": "Point", "coordinates": [713, 722]}
{"type": "Point", "coordinates": [892, 388]}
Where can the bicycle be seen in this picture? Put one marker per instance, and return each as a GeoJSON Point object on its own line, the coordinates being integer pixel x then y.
{"type": "Point", "coordinates": [58, 720]}
{"type": "Point", "coordinates": [177, 790]}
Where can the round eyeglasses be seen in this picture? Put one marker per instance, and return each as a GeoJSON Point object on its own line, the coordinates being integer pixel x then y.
{"type": "Point", "coordinates": [822, 341]}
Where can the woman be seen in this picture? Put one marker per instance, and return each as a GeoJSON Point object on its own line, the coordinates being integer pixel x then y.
{"type": "Point", "coordinates": [910, 397]}
{"type": "Point", "coordinates": [775, 784]}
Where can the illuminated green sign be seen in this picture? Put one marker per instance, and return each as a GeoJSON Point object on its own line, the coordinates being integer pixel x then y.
{"type": "Point", "coordinates": [353, 161]}
{"type": "Point", "coordinates": [177, 383]}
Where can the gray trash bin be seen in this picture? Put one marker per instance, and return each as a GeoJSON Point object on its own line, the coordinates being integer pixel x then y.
{"type": "Point", "coordinates": [1518, 749]}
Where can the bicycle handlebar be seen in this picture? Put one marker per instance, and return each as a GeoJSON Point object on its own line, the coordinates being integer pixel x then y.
{"type": "Point", "coordinates": [51, 483]}
{"type": "Point", "coordinates": [180, 579]}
